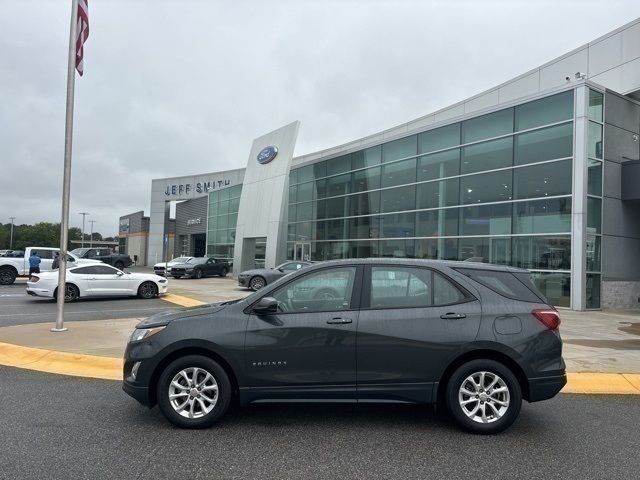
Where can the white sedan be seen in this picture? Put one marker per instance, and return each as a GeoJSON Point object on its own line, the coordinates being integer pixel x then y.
{"type": "Point", "coordinates": [98, 280]}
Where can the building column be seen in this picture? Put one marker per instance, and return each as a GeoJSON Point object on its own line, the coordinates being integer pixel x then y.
{"type": "Point", "coordinates": [579, 199]}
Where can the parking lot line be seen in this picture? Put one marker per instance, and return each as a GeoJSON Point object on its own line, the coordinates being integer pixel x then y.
{"type": "Point", "coordinates": [181, 300]}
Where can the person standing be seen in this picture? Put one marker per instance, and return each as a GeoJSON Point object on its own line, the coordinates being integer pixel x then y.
{"type": "Point", "coordinates": [34, 262]}
{"type": "Point", "coordinates": [56, 261]}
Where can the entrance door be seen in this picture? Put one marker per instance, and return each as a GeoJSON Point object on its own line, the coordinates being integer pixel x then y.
{"type": "Point", "coordinates": [302, 251]}
{"type": "Point", "coordinates": [199, 244]}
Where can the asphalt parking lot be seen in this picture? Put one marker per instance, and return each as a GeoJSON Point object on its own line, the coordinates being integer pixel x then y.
{"type": "Point", "coordinates": [18, 308]}
{"type": "Point", "coordinates": [62, 427]}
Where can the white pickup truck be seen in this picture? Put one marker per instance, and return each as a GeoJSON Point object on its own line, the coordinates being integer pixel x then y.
{"type": "Point", "coordinates": [12, 267]}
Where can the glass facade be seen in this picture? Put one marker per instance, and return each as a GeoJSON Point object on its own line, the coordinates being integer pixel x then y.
{"type": "Point", "coordinates": [222, 219]}
{"type": "Point", "coordinates": [496, 188]}
{"type": "Point", "coordinates": [594, 199]}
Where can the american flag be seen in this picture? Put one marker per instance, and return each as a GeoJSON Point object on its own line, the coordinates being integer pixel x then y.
{"type": "Point", "coordinates": [82, 33]}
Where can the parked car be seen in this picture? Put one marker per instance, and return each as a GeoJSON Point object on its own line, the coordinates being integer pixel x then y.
{"type": "Point", "coordinates": [105, 255]}
{"type": "Point", "coordinates": [478, 338]}
{"type": "Point", "coordinates": [198, 267]}
{"type": "Point", "coordinates": [158, 268]}
{"type": "Point", "coordinates": [260, 277]}
{"type": "Point", "coordinates": [3, 253]}
{"type": "Point", "coordinates": [97, 280]}
{"type": "Point", "coordinates": [12, 267]}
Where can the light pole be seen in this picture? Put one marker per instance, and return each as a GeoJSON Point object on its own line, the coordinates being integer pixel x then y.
{"type": "Point", "coordinates": [84, 214]}
{"type": "Point", "coordinates": [91, 237]}
{"type": "Point", "coordinates": [11, 237]}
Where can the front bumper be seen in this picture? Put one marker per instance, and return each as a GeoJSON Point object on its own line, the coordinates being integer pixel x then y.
{"type": "Point", "coordinates": [140, 393]}
{"type": "Point", "coordinates": [544, 388]}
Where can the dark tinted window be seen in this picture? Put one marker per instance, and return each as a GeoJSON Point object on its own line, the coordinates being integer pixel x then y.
{"type": "Point", "coordinates": [44, 254]}
{"type": "Point", "coordinates": [504, 283]}
{"type": "Point", "coordinates": [82, 270]}
{"type": "Point", "coordinates": [103, 270]}
{"type": "Point", "coordinates": [95, 270]}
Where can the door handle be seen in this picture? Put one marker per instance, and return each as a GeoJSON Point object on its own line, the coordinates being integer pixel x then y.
{"type": "Point", "coordinates": [453, 316]}
{"type": "Point", "coordinates": [339, 321]}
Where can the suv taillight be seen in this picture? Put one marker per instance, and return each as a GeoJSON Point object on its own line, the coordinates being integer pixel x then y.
{"type": "Point", "coordinates": [549, 317]}
{"type": "Point", "coordinates": [33, 279]}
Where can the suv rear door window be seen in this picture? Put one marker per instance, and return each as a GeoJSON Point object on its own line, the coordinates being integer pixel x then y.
{"type": "Point", "coordinates": [503, 283]}
{"type": "Point", "coordinates": [404, 287]}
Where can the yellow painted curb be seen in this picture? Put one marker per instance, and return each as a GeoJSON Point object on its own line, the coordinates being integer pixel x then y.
{"type": "Point", "coordinates": [64, 363]}
{"type": "Point", "coordinates": [603, 383]}
{"type": "Point", "coordinates": [109, 368]}
{"type": "Point", "coordinates": [182, 301]}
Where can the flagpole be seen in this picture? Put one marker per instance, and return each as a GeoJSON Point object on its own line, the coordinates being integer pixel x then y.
{"type": "Point", "coordinates": [66, 182]}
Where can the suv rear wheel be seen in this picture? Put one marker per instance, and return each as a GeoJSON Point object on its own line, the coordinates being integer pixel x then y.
{"type": "Point", "coordinates": [483, 396]}
{"type": "Point", "coordinates": [193, 392]}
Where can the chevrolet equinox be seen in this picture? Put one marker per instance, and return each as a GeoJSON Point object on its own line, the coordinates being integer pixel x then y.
{"type": "Point", "coordinates": [477, 338]}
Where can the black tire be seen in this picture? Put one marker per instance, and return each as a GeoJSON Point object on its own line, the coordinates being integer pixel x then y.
{"type": "Point", "coordinates": [257, 282]}
{"type": "Point", "coordinates": [71, 293]}
{"type": "Point", "coordinates": [119, 265]}
{"type": "Point", "coordinates": [224, 272]}
{"type": "Point", "coordinates": [494, 369]}
{"type": "Point", "coordinates": [197, 273]}
{"type": "Point", "coordinates": [147, 290]}
{"type": "Point", "coordinates": [7, 276]}
{"type": "Point", "coordinates": [223, 393]}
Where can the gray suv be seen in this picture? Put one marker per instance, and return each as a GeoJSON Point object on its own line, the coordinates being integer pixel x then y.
{"type": "Point", "coordinates": [477, 338]}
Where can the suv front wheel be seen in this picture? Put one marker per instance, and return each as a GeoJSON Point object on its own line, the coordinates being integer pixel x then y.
{"type": "Point", "coordinates": [193, 392]}
{"type": "Point", "coordinates": [484, 396]}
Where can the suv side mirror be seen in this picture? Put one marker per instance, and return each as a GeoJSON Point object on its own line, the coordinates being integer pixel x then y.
{"type": "Point", "coordinates": [266, 305]}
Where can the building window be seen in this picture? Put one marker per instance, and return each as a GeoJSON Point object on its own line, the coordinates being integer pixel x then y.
{"type": "Point", "coordinates": [545, 180]}
{"type": "Point", "coordinates": [545, 144]}
{"type": "Point", "coordinates": [488, 126]}
{"type": "Point", "coordinates": [488, 155]}
{"type": "Point", "coordinates": [486, 187]}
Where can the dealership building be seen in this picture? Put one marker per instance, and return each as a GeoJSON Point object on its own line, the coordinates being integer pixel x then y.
{"type": "Point", "coordinates": [541, 172]}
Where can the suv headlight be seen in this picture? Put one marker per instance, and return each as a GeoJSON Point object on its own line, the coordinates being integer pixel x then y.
{"type": "Point", "coordinates": [142, 333]}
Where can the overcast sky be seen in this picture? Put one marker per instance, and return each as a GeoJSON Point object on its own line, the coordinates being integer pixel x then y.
{"type": "Point", "coordinates": [182, 87]}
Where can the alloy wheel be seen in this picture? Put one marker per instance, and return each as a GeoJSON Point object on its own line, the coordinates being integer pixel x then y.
{"type": "Point", "coordinates": [70, 293]}
{"type": "Point", "coordinates": [484, 397]}
{"type": "Point", "coordinates": [147, 290]}
{"type": "Point", "coordinates": [257, 283]}
{"type": "Point", "coordinates": [193, 392]}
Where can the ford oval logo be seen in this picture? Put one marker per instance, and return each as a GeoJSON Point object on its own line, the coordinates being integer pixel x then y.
{"type": "Point", "coordinates": [267, 154]}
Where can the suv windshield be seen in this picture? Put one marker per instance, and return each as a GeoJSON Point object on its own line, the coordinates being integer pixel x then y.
{"type": "Point", "coordinates": [79, 251]}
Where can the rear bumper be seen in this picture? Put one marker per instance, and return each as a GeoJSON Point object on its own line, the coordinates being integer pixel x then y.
{"type": "Point", "coordinates": [39, 292]}
{"type": "Point", "coordinates": [544, 388]}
